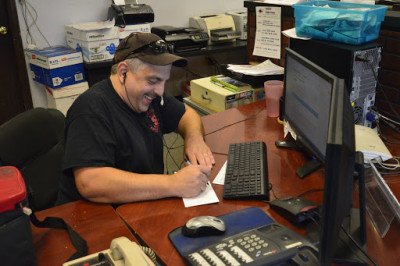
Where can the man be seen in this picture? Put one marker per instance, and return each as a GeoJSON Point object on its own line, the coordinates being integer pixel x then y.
{"type": "Point", "coordinates": [113, 141]}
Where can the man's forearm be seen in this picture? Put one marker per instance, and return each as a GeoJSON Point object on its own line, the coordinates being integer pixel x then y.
{"type": "Point", "coordinates": [190, 124]}
{"type": "Point", "coordinates": [110, 185]}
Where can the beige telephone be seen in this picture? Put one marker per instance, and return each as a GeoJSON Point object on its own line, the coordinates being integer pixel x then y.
{"type": "Point", "coordinates": [122, 252]}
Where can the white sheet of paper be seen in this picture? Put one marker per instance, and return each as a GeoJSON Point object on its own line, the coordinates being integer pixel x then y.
{"type": "Point", "coordinates": [283, 2]}
{"type": "Point", "coordinates": [264, 68]}
{"type": "Point", "coordinates": [220, 178]}
{"type": "Point", "coordinates": [291, 33]}
{"type": "Point", "coordinates": [268, 32]}
{"type": "Point", "coordinates": [119, 2]}
{"type": "Point", "coordinates": [208, 196]}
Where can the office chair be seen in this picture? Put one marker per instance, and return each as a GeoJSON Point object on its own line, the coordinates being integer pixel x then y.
{"type": "Point", "coordinates": [33, 142]}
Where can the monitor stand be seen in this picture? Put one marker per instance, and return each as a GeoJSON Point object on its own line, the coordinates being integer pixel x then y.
{"type": "Point", "coordinates": [355, 224]}
{"type": "Point", "coordinates": [310, 167]}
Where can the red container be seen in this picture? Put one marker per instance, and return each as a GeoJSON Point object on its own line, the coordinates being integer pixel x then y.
{"type": "Point", "coordinates": [12, 188]}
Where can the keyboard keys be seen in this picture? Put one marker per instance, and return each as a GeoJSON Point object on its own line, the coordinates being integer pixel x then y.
{"type": "Point", "coordinates": [246, 173]}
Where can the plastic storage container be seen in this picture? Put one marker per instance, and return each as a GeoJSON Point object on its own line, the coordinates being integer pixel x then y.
{"type": "Point", "coordinates": [350, 23]}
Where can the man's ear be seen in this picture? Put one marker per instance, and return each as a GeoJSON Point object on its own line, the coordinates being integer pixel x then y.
{"type": "Point", "coordinates": [123, 68]}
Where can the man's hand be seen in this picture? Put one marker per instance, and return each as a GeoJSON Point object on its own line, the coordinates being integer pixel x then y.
{"type": "Point", "coordinates": [191, 180]}
{"type": "Point", "coordinates": [197, 152]}
{"type": "Point", "coordinates": [192, 131]}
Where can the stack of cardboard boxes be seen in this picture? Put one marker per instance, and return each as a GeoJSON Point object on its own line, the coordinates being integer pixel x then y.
{"type": "Point", "coordinates": [60, 70]}
{"type": "Point", "coordinates": [98, 40]}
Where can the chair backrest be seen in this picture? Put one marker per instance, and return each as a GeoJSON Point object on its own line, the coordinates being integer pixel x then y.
{"type": "Point", "coordinates": [33, 142]}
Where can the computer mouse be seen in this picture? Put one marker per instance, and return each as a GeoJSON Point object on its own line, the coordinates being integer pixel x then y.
{"type": "Point", "coordinates": [295, 210]}
{"type": "Point", "coordinates": [204, 226]}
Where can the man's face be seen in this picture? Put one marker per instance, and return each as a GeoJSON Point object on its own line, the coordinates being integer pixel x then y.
{"type": "Point", "coordinates": [145, 85]}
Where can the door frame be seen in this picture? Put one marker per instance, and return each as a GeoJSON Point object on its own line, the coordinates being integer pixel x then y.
{"type": "Point", "coordinates": [14, 30]}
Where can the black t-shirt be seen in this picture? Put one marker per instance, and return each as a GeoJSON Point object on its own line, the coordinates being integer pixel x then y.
{"type": "Point", "coordinates": [103, 131]}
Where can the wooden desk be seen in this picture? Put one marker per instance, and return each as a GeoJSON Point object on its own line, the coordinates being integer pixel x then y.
{"type": "Point", "coordinates": [98, 224]}
{"type": "Point", "coordinates": [153, 220]}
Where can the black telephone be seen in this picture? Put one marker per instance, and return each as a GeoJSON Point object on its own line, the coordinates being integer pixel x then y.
{"type": "Point", "coordinates": [130, 13]}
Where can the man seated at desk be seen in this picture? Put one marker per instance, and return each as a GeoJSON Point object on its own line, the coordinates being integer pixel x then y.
{"type": "Point", "coordinates": [113, 136]}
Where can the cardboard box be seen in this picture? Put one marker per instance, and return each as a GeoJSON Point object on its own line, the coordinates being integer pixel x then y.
{"type": "Point", "coordinates": [124, 32]}
{"type": "Point", "coordinates": [71, 90]}
{"type": "Point", "coordinates": [62, 104]}
{"type": "Point", "coordinates": [54, 57]}
{"type": "Point", "coordinates": [96, 40]}
{"type": "Point", "coordinates": [58, 77]}
{"type": "Point", "coordinates": [216, 98]}
{"type": "Point", "coordinates": [94, 51]}
{"type": "Point", "coordinates": [63, 98]}
{"type": "Point", "coordinates": [258, 94]}
{"type": "Point", "coordinates": [92, 31]}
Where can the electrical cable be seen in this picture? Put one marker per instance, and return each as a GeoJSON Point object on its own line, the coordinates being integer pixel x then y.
{"type": "Point", "coordinates": [357, 245]}
{"type": "Point", "coordinates": [348, 235]}
{"type": "Point", "coordinates": [388, 166]}
{"type": "Point", "coordinates": [178, 166]}
{"type": "Point", "coordinates": [27, 7]}
{"type": "Point", "coordinates": [299, 196]}
{"type": "Point", "coordinates": [384, 117]}
{"type": "Point", "coordinates": [24, 15]}
{"type": "Point", "coordinates": [311, 217]}
{"type": "Point", "coordinates": [309, 191]}
{"type": "Point", "coordinates": [220, 153]}
{"type": "Point", "coordinates": [391, 126]}
{"type": "Point", "coordinates": [193, 73]}
{"type": "Point", "coordinates": [390, 173]}
{"type": "Point", "coordinates": [217, 65]}
{"type": "Point", "coordinates": [270, 188]}
{"type": "Point", "coordinates": [149, 252]}
{"type": "Point", "coordinates": [237, 122]}
{"type": "Point", "coordinates": [368, 62]}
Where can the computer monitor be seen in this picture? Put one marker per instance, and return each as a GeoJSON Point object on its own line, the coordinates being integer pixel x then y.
{"type": "Point", "coordinates": [318, 110]}
{"type": "Point", "coordinates": [307, 104]}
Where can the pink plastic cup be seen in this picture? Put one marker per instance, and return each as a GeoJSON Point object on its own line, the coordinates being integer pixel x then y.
{"type": "Point", "coordinates": [273, 91]}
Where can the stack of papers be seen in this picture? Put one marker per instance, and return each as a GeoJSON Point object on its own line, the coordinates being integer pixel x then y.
{"type": "Point", "coordinates": [262, 69]}
{"type": "Point", "coordinates": [370, 144]}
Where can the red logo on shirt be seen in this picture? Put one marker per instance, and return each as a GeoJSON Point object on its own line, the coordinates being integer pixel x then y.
{"type": "Point", "coordinates": [154, 126]}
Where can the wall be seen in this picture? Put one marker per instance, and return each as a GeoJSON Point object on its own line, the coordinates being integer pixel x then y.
{"type": "Point", "coordinates": [52, 15]}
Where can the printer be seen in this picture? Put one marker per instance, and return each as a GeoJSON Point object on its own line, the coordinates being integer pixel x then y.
{"type": "Point", "coordinates": [220, 27]}
{"type": "Point", "coordinates": [182, 39]}
{"type": "Point", "coordinates": [130, 13]}
{"type": "Point", "coordinates": [240, 19]}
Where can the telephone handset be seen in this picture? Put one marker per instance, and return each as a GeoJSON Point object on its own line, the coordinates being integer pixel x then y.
{"type": "Point", "coordinates": [122, 252]}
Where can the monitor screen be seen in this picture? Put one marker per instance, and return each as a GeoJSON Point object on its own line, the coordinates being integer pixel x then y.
{"type": "Point", "coordinates": [308, 90]}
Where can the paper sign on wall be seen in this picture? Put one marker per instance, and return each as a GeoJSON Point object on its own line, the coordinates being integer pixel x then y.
{"type": "Point", "coordinates": [268, 32]}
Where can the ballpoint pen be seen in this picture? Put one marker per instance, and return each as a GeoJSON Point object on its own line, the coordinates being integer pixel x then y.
{"type": "Point", "coordinates": [189, 163]}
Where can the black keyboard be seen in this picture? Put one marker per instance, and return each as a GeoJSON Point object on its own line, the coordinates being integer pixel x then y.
{"type": "Point", "coordinates": [246, 171]}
